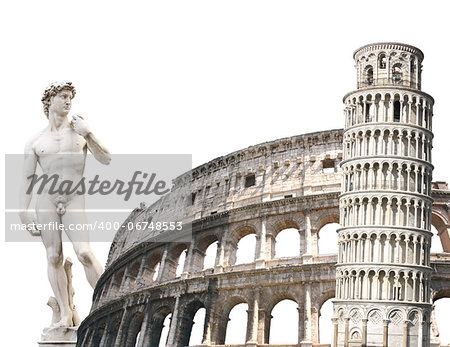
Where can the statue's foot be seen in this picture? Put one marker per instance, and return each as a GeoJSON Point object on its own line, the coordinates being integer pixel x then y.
{"type": "Point", "coordinates": [65, 321]}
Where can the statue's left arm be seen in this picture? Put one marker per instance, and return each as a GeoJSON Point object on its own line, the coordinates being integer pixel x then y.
{"type": "Point", "coordinates": [99, 152]}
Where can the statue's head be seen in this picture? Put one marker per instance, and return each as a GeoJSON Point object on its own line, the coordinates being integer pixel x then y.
{"type": "Point", "coordinates": [52, 90]}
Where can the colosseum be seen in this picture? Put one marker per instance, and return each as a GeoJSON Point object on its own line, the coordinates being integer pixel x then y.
{"type": "Point", "coordinates": [382, 278]}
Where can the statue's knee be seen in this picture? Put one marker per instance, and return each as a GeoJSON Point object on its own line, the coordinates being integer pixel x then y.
{"type": "Point", "coordinates": [85, 257]}
{"type": "Point", "coordinates": [54, 258]}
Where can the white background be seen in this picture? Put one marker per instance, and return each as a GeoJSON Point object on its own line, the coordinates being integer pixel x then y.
{"type": "Point", "coordinates": [199, 77]}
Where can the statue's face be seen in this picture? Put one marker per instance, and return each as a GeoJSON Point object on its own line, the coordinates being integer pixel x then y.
{"type": "Point", "coordinates": [61, 103]}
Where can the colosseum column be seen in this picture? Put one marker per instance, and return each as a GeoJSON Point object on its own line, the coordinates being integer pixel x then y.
{"type": "Point", "coordinates": [258, 321]}
{"type": "Point", "coordinates": [172, 336]}
{"type": "Point", "coordinates": [252, 320]}
{"type": "Point", "coordinates": [307, 318]}
{"type": "Point", "coordinates": [301, 321]}
{"type": "Point", "coordinates": [162, 266]}
{"type": "Point", "coordinates": [307, 255]}
{"type": "Point", "coordinates": [260, 246]}
{"type": "Point", "coordinates": [144, 337]}
{"type": "Point", "coordinates": [187, 261]}
{"type": "Point", "coordinates": [395, 197]}
{"type": "Point", "coordinates": [196, 259]}
{"type": "Point", "coordinates": [122, 328]}
{"type": "Point", "coordinates": [315, 242]}
{"type": "Point", "coordinates": [88, 335]}
{"type": "Point", "coordinates": [125, 280]}
{"type": "Point", "coordinates": [315, 315]}
{"type": "Point", "coordinates": [210, 319]}
{"type": "Point", "coordinates": [221, 255]}
{"type": "Point", "coordinates": [264, 319]}
{"type": "Point", "coordinates": [104, 338]}
{"type": "Point", "coordinates": [270, 247]}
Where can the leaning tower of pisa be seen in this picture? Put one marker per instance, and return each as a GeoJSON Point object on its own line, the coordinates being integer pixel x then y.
{"type": "Point", "coordinates": [383, 270]}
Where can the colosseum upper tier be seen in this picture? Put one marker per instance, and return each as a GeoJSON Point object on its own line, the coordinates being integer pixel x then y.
{"type": "Point", "coordinates": [288, 183]}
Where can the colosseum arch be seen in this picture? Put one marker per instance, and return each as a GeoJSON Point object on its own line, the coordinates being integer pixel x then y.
{"type": "Point", "coordinates": [99, 334]}
{"type": "Point", "coordinates": [116, 282]}
{"type": "Point", "coordinates": [198, 251]}
{"type": "Point", "coordinates": [281, 223]}
{"type": "Point", "coordinates": [325, 224]}
{"type": "Point", "coordinates": [130, 338]}
{"type": "Point", "coordinates": [224, 319]}
{"type": "Point", "coordinates": [289, 230]}
{"type": "Point", "coordinates": [319, 301]}
{"type": "Point", "coordinates": [237, 328]}
{"type": "Point", "coordinates": [152, 268]}
{"type": "Point", "coordinates": [276, 323]}
{"type": "Point", "coordinates": [158, 316]}
{"type": "Point", "coordinates": [173, 260]}
{"type": "Point", "coordinates": [280, 294]}
{"type": "Point", "coordinates": [186, 322]}
{"type": "Point", "coordinates": [130, 275]}
{"type": "Point", "coordinates": [441, 221]}
{"type": "Point", "coordinates": [235, 236]}
{"type": "Point", "coordinates": [108, 327]}
{"type": "Point", "coordinates": [246, 251]}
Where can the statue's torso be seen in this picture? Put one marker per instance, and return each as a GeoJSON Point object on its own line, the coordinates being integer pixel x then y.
{"type": "Point", "coordinates": [62, 153]}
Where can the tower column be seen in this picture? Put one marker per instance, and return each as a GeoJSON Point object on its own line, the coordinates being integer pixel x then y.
{"type": "Point", "coordinates": [364, 333]}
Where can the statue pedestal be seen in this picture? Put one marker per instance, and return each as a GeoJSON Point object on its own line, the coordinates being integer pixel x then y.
{"type": "Point", "coordinates": [59, 337]}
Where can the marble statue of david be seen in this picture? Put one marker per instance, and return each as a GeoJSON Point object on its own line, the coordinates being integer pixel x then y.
{"type": "Point", "coordinates": [61, 149]}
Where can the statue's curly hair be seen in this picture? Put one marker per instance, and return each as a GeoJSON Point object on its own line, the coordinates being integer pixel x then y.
{"type": "Point", "coordinates": [53, 89]}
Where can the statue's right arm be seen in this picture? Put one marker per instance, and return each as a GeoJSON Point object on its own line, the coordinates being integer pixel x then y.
{"type": "Point", "coordinates": [29, 169]}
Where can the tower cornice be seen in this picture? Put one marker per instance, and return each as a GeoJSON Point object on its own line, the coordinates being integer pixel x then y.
{"type": "Point", "coordinates": [387, 46]}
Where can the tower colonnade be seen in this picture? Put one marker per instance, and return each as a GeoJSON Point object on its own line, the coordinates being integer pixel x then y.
{"type": "Point", "coordinates": [381, 141]}
{"type": "Point", "coordinates": [389, 105]}
{"type": "Point", "coordinates": [385, 203]}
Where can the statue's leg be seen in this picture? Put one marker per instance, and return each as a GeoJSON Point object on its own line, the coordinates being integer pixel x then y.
{"type": "Point", "coordinates": [51, 237]}
{"type": "Point", "coordinates": [75, 215]}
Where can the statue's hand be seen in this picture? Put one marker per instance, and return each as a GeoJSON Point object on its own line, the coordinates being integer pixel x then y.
{"type": "Point", "coordinates": [29, 219]}
{"type": "Point", "coordinates": [79, 125]}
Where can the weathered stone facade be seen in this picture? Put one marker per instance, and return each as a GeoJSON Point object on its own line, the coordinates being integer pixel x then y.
{"type": "Point", "coordinates": [288, 183]}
